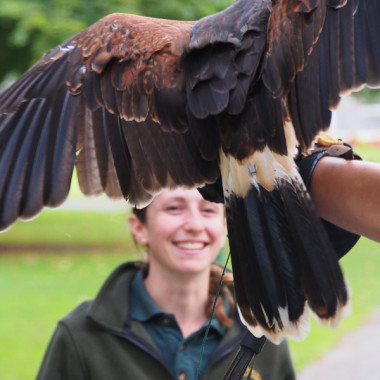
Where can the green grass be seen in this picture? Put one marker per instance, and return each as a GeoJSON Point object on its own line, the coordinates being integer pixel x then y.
{"type": "Point", "coordinates": [36, 290]}
{"type": "Point", "coordinates": [77, 250]}
{"type": "Point", "coordinates": [368, 152]}
{"type": "Point", "coordinates": [47, 266]}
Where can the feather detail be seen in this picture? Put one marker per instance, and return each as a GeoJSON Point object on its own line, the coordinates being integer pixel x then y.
{"type": "Point", "coordinates": [234, 175]}
{"type": "Point", "coordinates": [296, 331]}
{"type": "Point", "coordinates": [263, 162]}
{"type": "Point", "coordinates": [343, 311]}
{"type": "Point", "coordinates": [287, 161]}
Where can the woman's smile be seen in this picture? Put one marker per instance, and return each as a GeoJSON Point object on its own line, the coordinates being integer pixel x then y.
{"type": "Point", "coordinates": [191, 245]}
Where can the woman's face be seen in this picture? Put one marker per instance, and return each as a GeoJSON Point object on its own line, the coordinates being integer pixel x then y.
{"type": "Point", "coordinates": [184, 232]}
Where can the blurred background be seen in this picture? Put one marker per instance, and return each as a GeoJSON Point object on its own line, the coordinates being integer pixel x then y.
{"type": "Point", "coordinates": [50, 264]}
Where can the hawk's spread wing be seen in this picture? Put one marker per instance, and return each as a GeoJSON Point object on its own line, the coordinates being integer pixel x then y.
{"type": "Point", "coordinates": [101, 100]}
{"type": "Point", "coordinates": [139, 104]}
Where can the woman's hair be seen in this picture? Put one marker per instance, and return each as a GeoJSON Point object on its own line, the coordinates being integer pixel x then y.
{"type": "Point", "coordinates": [225, 293]}
{"type": "Point", "coordinates": [140, 213]}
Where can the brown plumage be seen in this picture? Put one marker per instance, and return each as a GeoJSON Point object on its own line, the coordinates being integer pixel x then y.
{"type": "Point", "coordinates": [139, 104]}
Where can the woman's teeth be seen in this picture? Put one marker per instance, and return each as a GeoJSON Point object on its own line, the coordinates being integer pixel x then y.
{"type": "Point", "coordinates": [191, 245]}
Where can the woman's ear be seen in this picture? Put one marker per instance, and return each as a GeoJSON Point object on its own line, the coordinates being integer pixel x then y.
{"type": "Point", "coordinates": [138, 230]}
{"type": "Point", "coordinates": [224, 235]}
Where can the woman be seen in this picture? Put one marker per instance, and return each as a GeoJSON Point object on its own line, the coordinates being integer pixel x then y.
{"type": "Point", "coordinates": [148, 321]}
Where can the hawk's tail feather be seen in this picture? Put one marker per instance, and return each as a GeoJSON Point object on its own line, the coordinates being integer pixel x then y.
{"type": "Point", "coordinates": [268, 231]}
{"type": "Point", "coordinates": [323, 282]}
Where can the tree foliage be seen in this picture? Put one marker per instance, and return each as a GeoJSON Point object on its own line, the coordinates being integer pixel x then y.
{"type": "Point", "coordinates": [28, 28]}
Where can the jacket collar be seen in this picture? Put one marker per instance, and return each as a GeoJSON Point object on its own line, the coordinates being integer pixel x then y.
{"type": "Point", "coordinates": [110, 307]}
{"type": "Point", "coordinates": [144, 308]}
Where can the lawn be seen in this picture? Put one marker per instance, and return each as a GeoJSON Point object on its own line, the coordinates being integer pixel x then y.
{"type": "Point", "coordinates": [50, 264]}
{"type": "Point", "coordinates": [37, 289]}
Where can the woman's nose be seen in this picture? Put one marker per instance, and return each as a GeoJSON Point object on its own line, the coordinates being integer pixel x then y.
{"type": "Point", "coordinates": [194, 221]}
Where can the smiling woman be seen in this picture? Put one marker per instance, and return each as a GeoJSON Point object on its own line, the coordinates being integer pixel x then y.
{"type": "Point", "coordinates": [149, 319]}
{"type": "Point", "coordinates": [183, 233]}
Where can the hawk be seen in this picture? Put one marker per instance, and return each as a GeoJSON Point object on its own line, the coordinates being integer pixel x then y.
{"type": "Point", "coordinates": [139, 104]}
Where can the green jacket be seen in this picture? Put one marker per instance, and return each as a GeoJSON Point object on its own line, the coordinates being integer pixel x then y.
{"type": "Point", "coordinates": [99, 341]}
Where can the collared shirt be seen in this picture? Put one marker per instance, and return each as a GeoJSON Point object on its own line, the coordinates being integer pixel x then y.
{"type": "Point", "coordinates": [180, 354]}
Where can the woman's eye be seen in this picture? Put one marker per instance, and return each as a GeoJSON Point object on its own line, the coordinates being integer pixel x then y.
{"type": "Point", "coordinates": [172, 208]}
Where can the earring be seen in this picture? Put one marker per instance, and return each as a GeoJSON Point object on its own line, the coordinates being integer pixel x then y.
{"type": "Point", "coordinates": [143, 241]}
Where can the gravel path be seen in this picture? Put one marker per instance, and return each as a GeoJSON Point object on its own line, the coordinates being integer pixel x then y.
{"type": "Point", "coordinates": [356, 357]}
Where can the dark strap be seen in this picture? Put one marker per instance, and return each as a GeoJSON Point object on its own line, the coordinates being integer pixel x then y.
{"type": "Point", "coordinates": [250, 346]}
